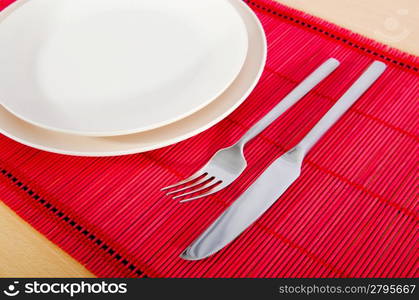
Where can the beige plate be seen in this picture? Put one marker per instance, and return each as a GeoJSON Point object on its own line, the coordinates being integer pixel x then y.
{"type": "Point", "coordinates": [205, 118]}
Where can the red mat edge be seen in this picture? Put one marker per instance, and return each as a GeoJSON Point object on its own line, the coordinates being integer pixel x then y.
{"type": "Point", "coordinates": [355, 41]}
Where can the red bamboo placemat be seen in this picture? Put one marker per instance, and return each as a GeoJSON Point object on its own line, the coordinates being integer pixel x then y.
{"type": "Point", "coordinates": [353, 212]}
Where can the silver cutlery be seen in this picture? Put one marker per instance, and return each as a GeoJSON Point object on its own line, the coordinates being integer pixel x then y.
{"type": "Point", "coordinates": [276, 179]}
{"type": "Point", "coordinates": [228, 163]}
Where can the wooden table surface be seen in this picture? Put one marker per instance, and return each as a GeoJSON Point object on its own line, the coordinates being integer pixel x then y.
{"type": "Point", "coordinates": [26, 253]}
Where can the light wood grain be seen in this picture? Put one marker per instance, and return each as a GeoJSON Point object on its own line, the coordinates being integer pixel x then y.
{"type": "Point", "coordinates": [26, 253]}
{"type": "Point", "coordinates": [393, 23]}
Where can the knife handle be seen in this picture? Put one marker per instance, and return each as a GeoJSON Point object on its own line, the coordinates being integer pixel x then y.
{"type": "Point", "coordinates": [360, 86]}
{"type": "Point", "coordinates": [299, 92]}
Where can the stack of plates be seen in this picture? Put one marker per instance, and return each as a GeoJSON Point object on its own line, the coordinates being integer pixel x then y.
{"type": "Point", "coordinates": [115, 77]}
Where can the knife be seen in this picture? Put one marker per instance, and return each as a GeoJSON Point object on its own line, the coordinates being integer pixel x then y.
{"type": "Point", "coordinates": [277, 178]}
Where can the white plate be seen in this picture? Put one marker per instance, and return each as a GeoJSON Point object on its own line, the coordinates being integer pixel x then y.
{"type": "Point", "coordinates": [52, 141]}
{"type": "Point", "coordinates": [113, 67]}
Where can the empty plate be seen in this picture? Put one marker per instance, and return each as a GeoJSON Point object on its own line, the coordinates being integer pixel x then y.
{"type": "Point", "coordinates": [217, 110]}
{"type": "Point", "coordinates": [114, 67]}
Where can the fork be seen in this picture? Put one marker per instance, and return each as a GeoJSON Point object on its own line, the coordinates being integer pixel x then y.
{"type": "Point", "coordinates": [228, 163]}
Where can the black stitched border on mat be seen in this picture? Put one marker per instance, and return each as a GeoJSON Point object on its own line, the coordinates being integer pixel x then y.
{"type": "Point", "coordinates": [331, 35]}
{"type": "Point", "coordinates": [65, 218]}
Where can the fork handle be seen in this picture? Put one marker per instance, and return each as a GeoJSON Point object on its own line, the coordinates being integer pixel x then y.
{"type": "Point", "coordinates": [299, 92]}
{"type": "Point", "coordinates": [367, 79]}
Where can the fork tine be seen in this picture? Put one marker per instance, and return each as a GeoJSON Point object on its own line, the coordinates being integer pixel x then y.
{"type": "Point", "coordinates": [214, 190]}
{"type": "Point", "coordinates": [204, 187]}
{"type": "Point", "coordinates": [197, 183]}
{"type": "Point", "coordinates": [189, 179]}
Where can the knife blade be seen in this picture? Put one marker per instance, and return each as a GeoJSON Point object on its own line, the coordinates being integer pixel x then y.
{"type": "Point", "coordinates": [276, 179]}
